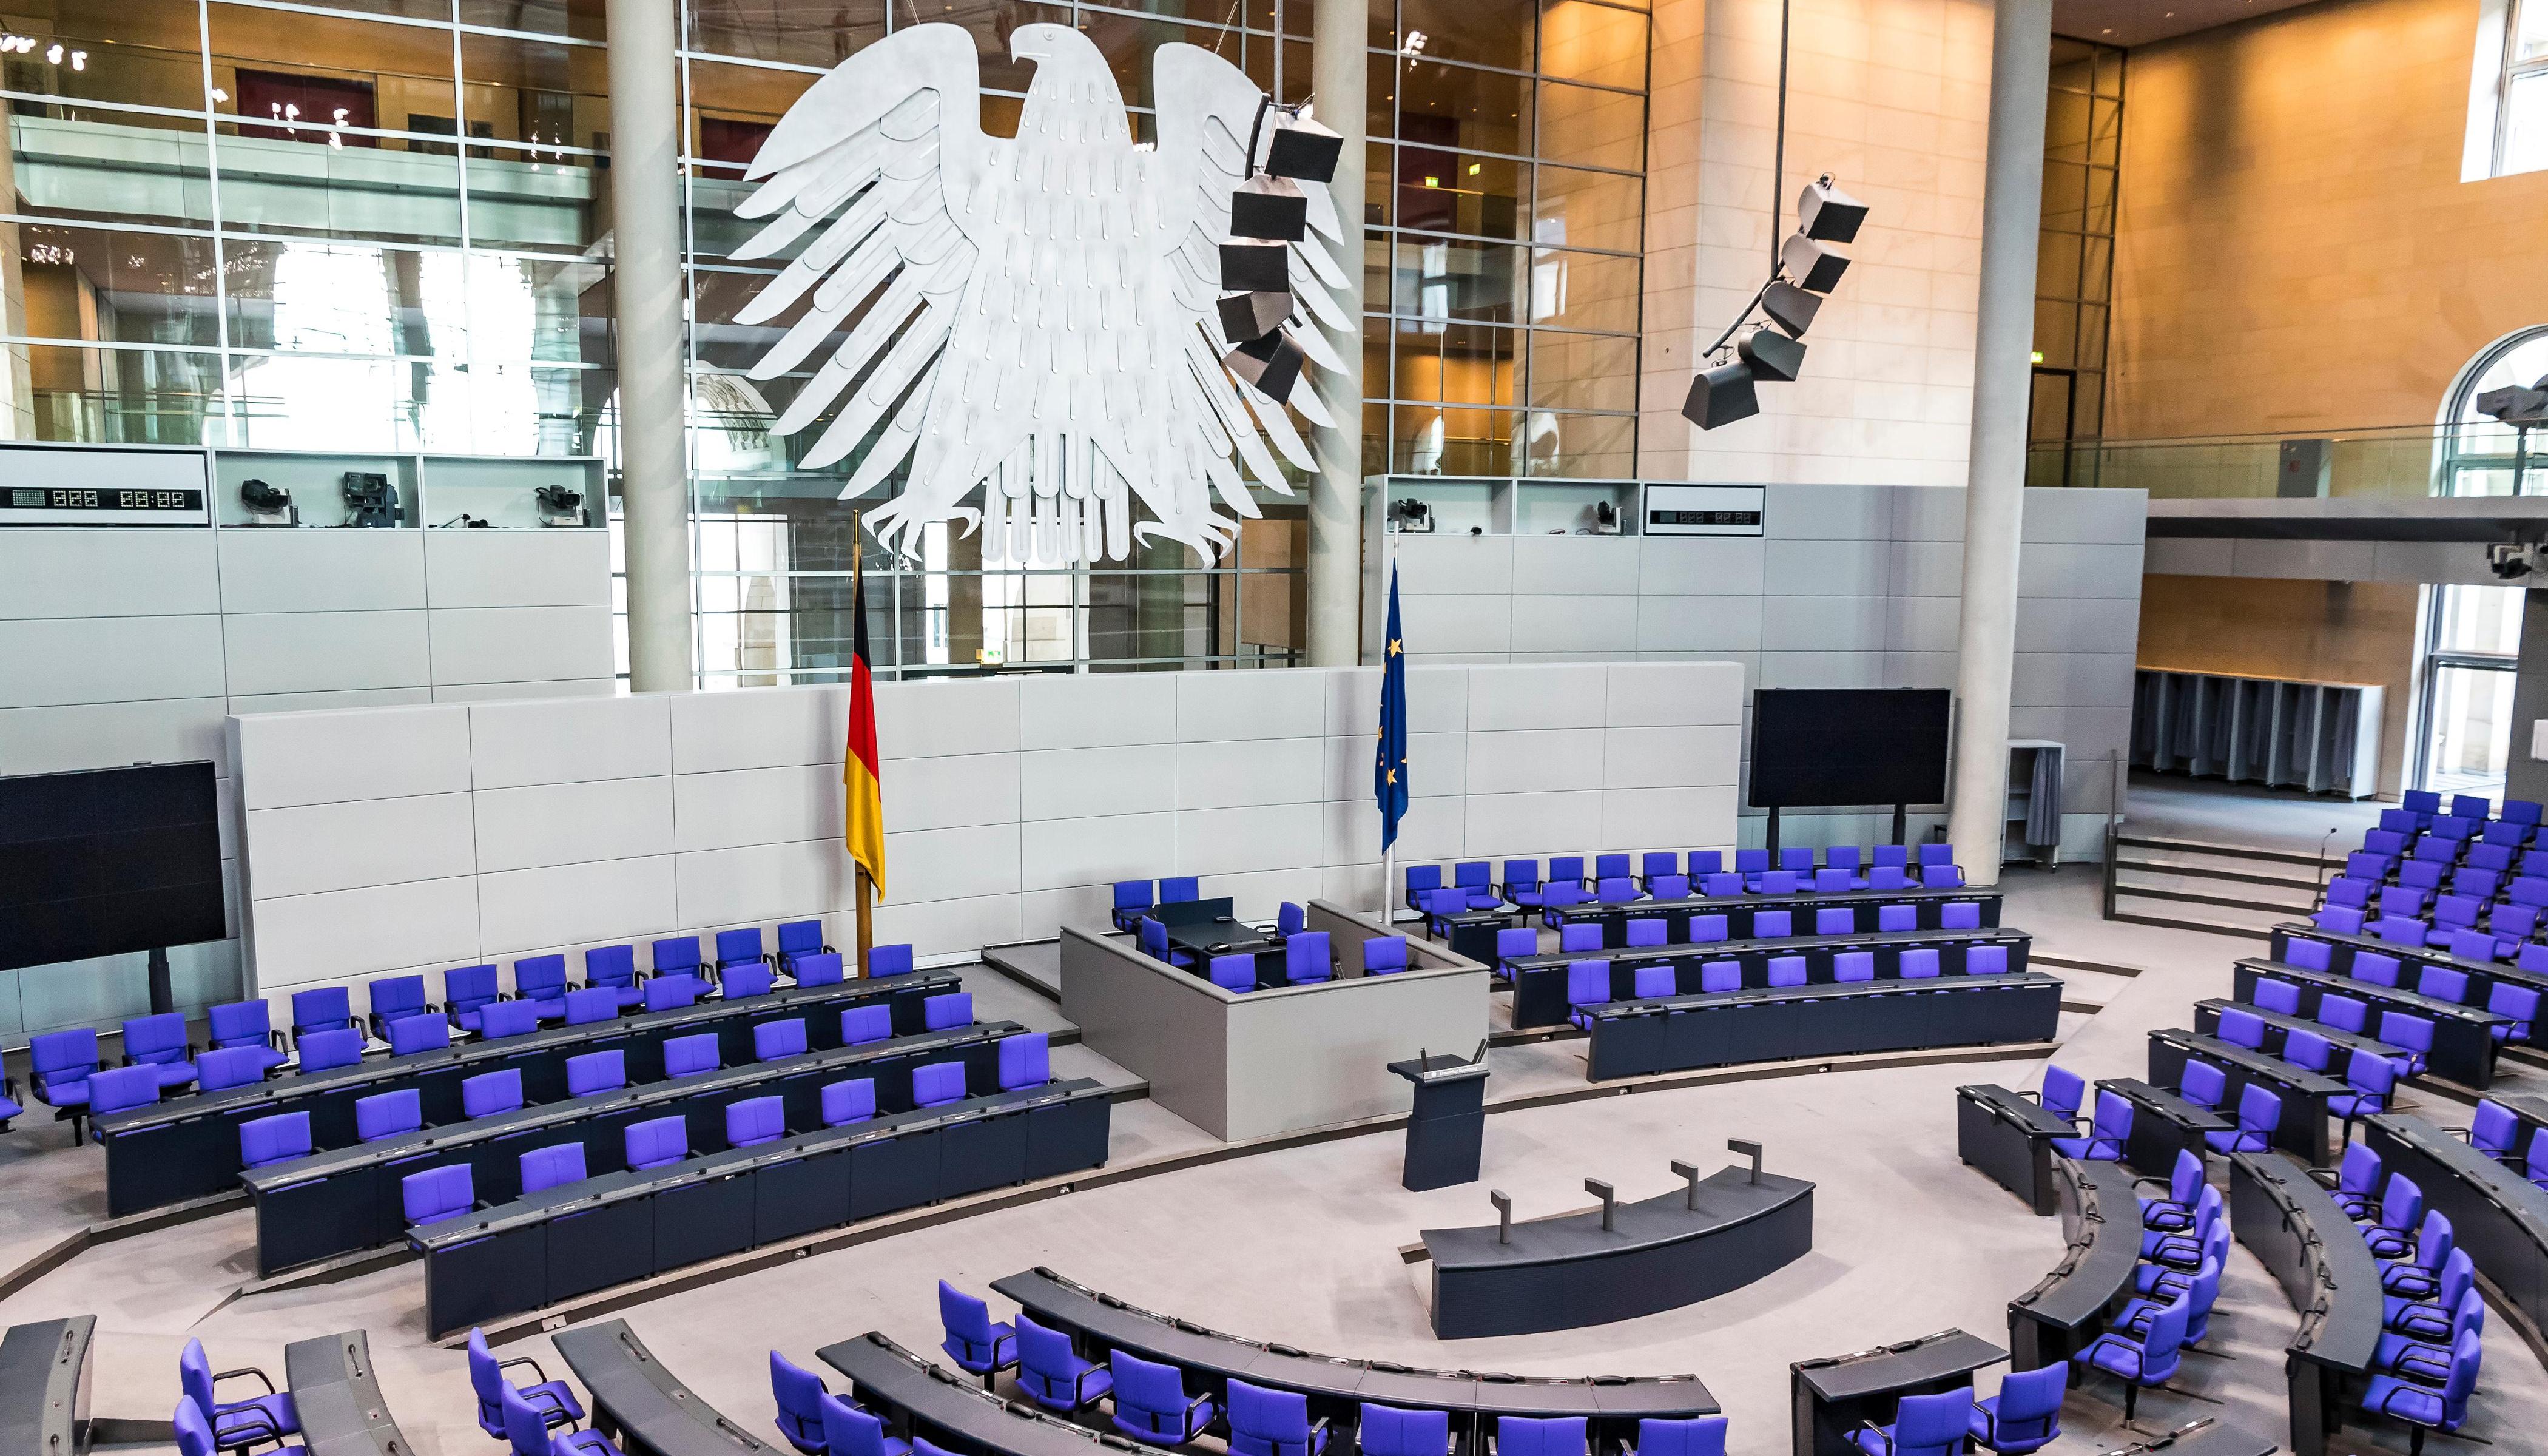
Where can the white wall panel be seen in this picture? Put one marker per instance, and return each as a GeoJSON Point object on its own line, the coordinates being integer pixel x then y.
{"type": "Point", "coordinates": [945, 794]}
{"type": "Point", "coordinates": [762, 882]}
{"type": "Point", "coordinates": [927, 719]}
{"type": "Point", "coordinates": [92, 660]}
{"type": "Point", "coordinates": [1231, 705]}
{"type": "Point", "coordinates": [1574, 566]}
{"type": "Point", "coordinates": [564, 742]}
{"type": "Point", "coordinates": [86, 735]}
{"type": "Point", "coordinates": [1667, 818]}
{"type": "Point", "coordinates": [373, 753]}
{"type": "Point", "coordinates": [945, 927]}
{"type": "Point", "coordinates": [1699, 623]}
{"type": "Point", "coordinates": [329, 701]}
{"type": "Point", "coordinates": [1240, 771]}
{"type": "Point", "coordinates": [1653, 696]}
{"type": "Point", "coordinates": [1436, 566]}
{"type": "Point", "coordinates": [1095, 783]}
{"type": "Point", "coordinates": [540, 824]}
{"type": "Point", "coordinates": [560, 568]}
{"type": "Point", "coordinates": [320, 651]}
{"type": "Point", "coordinates": [1701, 566]}
{"type": "Point", "coordinates": [1233, 841]}
{"type": "Point", "coordinates": [291, 570]}
{"type": "Point", "coordinates": [113, 573]}
{"type": "Point", "coordinates": [1055, 853]}
{"type": "Point", "coordinates": [594, 902]}
{"type": "Point", "coordinates": [520, 644]}
{"type": "Point", "coordinates": [352, 843]}
{"type": "Point", "coordinates": [1527, 824]}
{"type": "Point", "coordinates": [1669, 758]}
{"type": "Point", "coordinates": [1438, 626]}
{"type": "Point", "coordinates": [304, 940]}
{"type": "Point", "coordinates": [1538, 697]}
{"type": "Point", "coordinates": [1545, 625]}
{"type": "Point", "coordinates": [527, 692]}
{"type": "Point", "coordinates": [717, 731]}
{"type": "Point", "coordinates": [1534, 759]}
{"type": "Point", "coordinates": [954, 864]}
{"type": "Point", "coordinates": [1097, 711]}
{"type": "Point", "coordinates": [758, 807]}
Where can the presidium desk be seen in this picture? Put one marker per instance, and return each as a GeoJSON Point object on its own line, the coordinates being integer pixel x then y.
{"type": "Point", "coordinates": [576, 1237]}
{"type": "Point", "coordinates": [188, 1147]}
{"type": "Point", "coordinates": [1722, 1028]}
{"type": "Point", "coordinates": [1100, 1323]}
{"type": "Point", "coordinates": [1862, 905]}
{"type": "Point", "coordinates": [1539, 981]}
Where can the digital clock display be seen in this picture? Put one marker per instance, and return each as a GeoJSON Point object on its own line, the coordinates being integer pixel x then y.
{"type": "Point", "coordinates": [51, 497]}
{"type": "Point", "coordinates": [1705, 518]}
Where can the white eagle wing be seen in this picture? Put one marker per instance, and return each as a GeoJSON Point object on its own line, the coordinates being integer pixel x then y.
{"type": "Point", "coordinates": [875, 161]}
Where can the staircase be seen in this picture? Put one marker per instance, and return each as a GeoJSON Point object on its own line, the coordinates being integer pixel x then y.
{"type": "Point", "coordinates": [2219, 889]}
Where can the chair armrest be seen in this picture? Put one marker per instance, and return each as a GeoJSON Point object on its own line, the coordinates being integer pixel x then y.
{"type": "Point", "coordinates": [2324, 1177]}
{"type": "Point", "coordinates": [262, 1377]}
{"type": "Point", "coordinates": [1878, 1432]}
{"type": "Point", "coordinates": [524, 1360]}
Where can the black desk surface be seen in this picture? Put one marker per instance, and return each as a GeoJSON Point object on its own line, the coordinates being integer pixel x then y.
{"type": "Point", "coordinates": [1989, 935]}
{"type": "Point", "coordinates": [610, 1188]}
{"type": "Point", "coordinates": [2255, 1064]}
{"type": "Point", "coordinates": [1803, 895]}
{"type": "Point", "coordinates": [1703, 1000]}
{"type": "Point", "coordinates": [2338, 1294]}
{"type": "Point", "coordinates": [2412, 955]}
{"type": "Point", "coordinates": [2516, 1197]}
{"type": "Point", "coordinates": [339, 1399]}
{"type": "Point", "coordinates": [1058, 1303]}
{"type": "Point", "coordinates": [335, 1160]}
{"type": "Point", "coordinates": [1726, 1197]}
{"type": "Point", "coordinates": [255, 1098]}
{"type": "Point", "coordinates": [2016, 1108]}
{"type": "Point", "coordinates": [1939, 1356]}
{"type": "Point", "coordinates": [44, 1384]}
{"type": "Point", "coordinates": [2345, 985]}
{"type": "Point", "coordinates": [941, 1403]}
{"type": "Point", "coordinates": [1438, 1068]}
{"type": "Point", "coordinates": [2146, 1098]}
{"type": "Point", "coordinates": [2342, 1041]}
{"type": "Point", "coordinates": [1224, 936]}
{"type": "Point", "coordinates": [2104, 1249]}
{"type": "Point", "coordinates": [639, 1398]}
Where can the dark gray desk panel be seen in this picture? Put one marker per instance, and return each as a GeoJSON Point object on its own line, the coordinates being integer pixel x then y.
{"type": "Point", "coordinates": [2499, 1215]}
{"type": "Point", "coordinates": [1539, 981]}
{"type": "Point", "coordinates": [2303, 1093]}
{"type": "Point", "coordinates": [188, 1147]}
{"type": "Point", "coordinates": [2279, 1028]}
{"type": "Point", "coordinates": [2285, 1218]}
{"type": "Point", "coordinates": [43, 1387]}
{"type": "Point", "coordinates": [576, 1237]}
{"type": "Point", "coordinates": [339, 1399]}
{"type": "Point", "coordinates": [1642, 1037]}
{"type": "Point", "coordinates": [2010, 1138]}
{"type": "Point", "coordinates": [2482, 974]}
{"type": "Point", "coordinates": [1738, 910]}
{"type": "Point", "coordinates": [349, 1198]}
{"type": "Point", "coordinates": [930, 1403]}
{"type": "Point", "coordinates": [1335, 1385]}
{"type": "Point", "coordinates": [2463, 1045]}
{"type": "Point", "coordinates": [2163, 1124]}
{"type": "Point", "coordinates": [1663, 1253]}
{"type": "Point", "coordinates": [2101, 1215]}
{"type": "Point", "coordinates": [638, 1404]}
{"type": "Point", "coordinates": [1831, 1398]}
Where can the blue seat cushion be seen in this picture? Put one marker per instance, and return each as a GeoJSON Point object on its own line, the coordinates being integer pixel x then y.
{"type": "Point", "coordinates": [264, 1419]}
{"type": "Point", "coordinates": [64, 1094]}
{"type": "Point", "coordinates": [2390, 1395]}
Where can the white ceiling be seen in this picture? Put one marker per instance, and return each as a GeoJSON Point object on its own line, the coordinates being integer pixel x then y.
{"type": "Point", "coordinates": [2139, 22]}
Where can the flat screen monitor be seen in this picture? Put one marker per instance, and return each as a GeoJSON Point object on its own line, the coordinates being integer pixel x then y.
{"type": "Point", "coordinates": [1828, 747]}
{"type": "Point", "coordinates": [108, 861]}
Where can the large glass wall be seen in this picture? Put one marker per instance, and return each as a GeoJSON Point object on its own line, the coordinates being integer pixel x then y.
{"type": "Point", "coordinates": [2074, 259]}
{"type": "Point", "coordinates": [2469, 661]}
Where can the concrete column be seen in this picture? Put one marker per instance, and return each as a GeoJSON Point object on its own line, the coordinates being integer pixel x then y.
{"type": "Point", "coordinates": [646, 285]}
{"type": "Point", "coordinates": [1338, 72]}
{"type": "Point", "coordinates": [1994, 494]}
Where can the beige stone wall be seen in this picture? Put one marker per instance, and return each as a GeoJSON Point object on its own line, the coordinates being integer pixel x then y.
{"type": "Point", "coordinates": [2294, 250]}
{"type": "Point", "coordinates": [1889, 96]}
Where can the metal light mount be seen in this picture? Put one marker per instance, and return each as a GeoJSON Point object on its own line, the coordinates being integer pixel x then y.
{"type": "Point", "coordinates": [1271, 363]}
{"type": "Point", "coordinates": [1721, 396]}
{"type": "Point", "coordinates": [1302, 149]}
{"type": "Point", "coordinates": [1772, 354]}
{"type": "Point", "coordinates": [1806, 268]}
{"type": "Point", "coordinates": [1268, 212]}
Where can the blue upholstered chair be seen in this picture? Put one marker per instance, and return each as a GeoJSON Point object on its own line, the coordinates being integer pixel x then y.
{"type": "Point", "coordinates": [1133, 901]}
{"type": "Point", "coordinates": [2432, 1321]}
{"type": "Point", "coordinates": [540, 980]}
{"type": "Point", "coordinates": [851, 1431]}
{"type": "Point", "coordinates": [527, 1432]}
{"type": "Point", "coordinates": [1704, 929]}
{"type": "Point", "coordinates": [1588, 986]}
{"type": "Point", "coordinates": [2370, 1077]}
{"type": "Point", "coordinates": [1234, 972]}
{"type": "Point", "coordinates": [594, 1005]}
{"type": "Point", "coordinates": [1266, 1422]}
{"type": "Point", "coordinates": [2391, 1230]}
{"type": "Point", "coordinates": [1653, 982]}
{"type": "Point", "coordinates": [1565, 870]}
{"type": "Point", "coordinates": [973, 1342]}
{"type": "Point", "coordinates": [2260, 1112]}
{"type": "Point", "coordinates": [388, 1114]}
{"type": "Point", "coordinates": [1180, 889]}
{"type": "Point", "coordinates": [848, 1102]}
{"type": "Point", "coordinates": [1835, 920]}
{"type": "Point", "coordinates": [743, 978]}
{"type": "Point", "coordinates": [276, 1140]}
{"type": "Point", "coordinates": [2201, 1292]}
{"type": "Point", "coordinates": [2425, 1410]}
{"type": "Point", "coordinates": [1923, 1425]}
{"type": "Point", "coordinates": [2521, 1003]}
{"type": "Point", "coordinates": [1919, 964]}
{"type": "Point", "coordinates": [1520, 1435]}
{"type": "Point", "coordinates": [1959, 915]}
{"type": "Point", "coordinates": [236, 1026]}
{"type": "Point", "coordinates": [1307, 958]}
{"type": "Point", "coordinates": [823, 968]}
{"type": "Point", "coordinates": [2420, 1276]}
{"type": "Point", "coordinates": [754, 1121]}
{"type": "Point", "coordinates": [2343, 1013]}
{"type": "Point", "coordinates": [411, 1035]}
{"type": "Point", "coordinates": [937, 1084]}
{"type": "Point", "coordinates": [159, 1043]}
{"type": "Point", "coordinates": [739, 946]}
{"type": "Point", "coordinates": [437, 1194]}
{"type": "Point", "coordinates": [492, 1094]}
{"type": "Point", "coordinates": [122, 1089]}
{"type": "Point", "coordinates": [1986, 960]}
{"type": "Point", "coordinates": [800, 1394]}
{"type": "Point", "coordinates": [2240, 1029]}
{"type": "Point", "coordinates": [863, 1025]}
{"type": "Point", "coordinates": [668, 992]}
{"type": "Point", "coordinates": [1421, 881]}
{"type": "Point", "coordinates": [596, 1072]}
{"type": "Point", "coordinates": [1786, 971]}
{"type": "Point", "coordinates": [1151, 1403]}
{"type": "Point", "coordinates": [2413, 1036]}
{"type": "Point", "coordinates": [676, 956]}
{"type": "Point", "coordinates": [551, 1166]}
{"type": "Point", "coordinates": [1384, 955]}
{"type": "Point", "coordinates": [1582, 936]}
{"type": "Point", "coordinates": [329, 1050]}
{"type": "Point", "coordinates": [234, 1425]}
{"type": "Point", "coordinates": [468, 990]}
{"type": "Point", "coordinates": [1669, 887]}
{"type": "Point", "coordinates": [2429, 1362]}
{"type": "Point", "coordinates": [943, 1013]}
{"type": "Point", "coordinates": [1025, 1060]}
{"type": "Point", "coordinates": [799, 937]}
{"type": "Point", "coordinates": [657, 1142]}
{"type": "Point", "coordinates": [2107, 1135]}
{"type": "Point", "coordinates": [1773, 924]}
{"type": "Point", "coordinates": [1388, 1431]}
{"type": "Point", "coordinates": [2175, 1212]}
{"type": "Point", "coordinates": [2278, 996]}
{"type": "Point", "coordinates": [225, 1067]}
{"type": "Point", "coordinates": [2025, 1415]}
{"type": "Point", "coordinates": [2146, 1360]}
{"type": "Point", "coordinates": [1854, 965]}
{"type": "Point", "coordinates": [773, 1041]}
{"type": "Point", "coordinates": [2303, 1048]}
{"type": "Point", "coordinates": [1290, 919]}
{"type": "Point", "coordinates": [896, 960]}
{"type": "Point", "coordinates": [2203, 1084]}
{"type": "Point", "coordinates": [614, 966]}
{"type": "Point", "coordinates": [1521, 883]}
{"type": "Point", "coordinates": [321, 1009]}
{"type": "Point", "coordinates": [393, 998]}
{"type": "Point", "coordinates": [505, 1019]}
{"type": "Point", "coordinates": [1648, 929]}
{"type": "Point", "coordinates": [1152, 937]}
{"type": "Point", "coordinates": [1882, 876]}
{"type": "Point", "coordinates": [1703, 1435]}
{"type": "Point", "coordinates": [1717, 977]}
{"type": "Point", "coordinates": [2493, 1130]}
{"type": "Point", "coordinates": [1475, 881]}
{"type": "Point", "coordinates": [1052, 1373]}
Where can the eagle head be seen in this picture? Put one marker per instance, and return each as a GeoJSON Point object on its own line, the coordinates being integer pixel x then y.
{"type": "Point", "coordinates": [1073, 94]}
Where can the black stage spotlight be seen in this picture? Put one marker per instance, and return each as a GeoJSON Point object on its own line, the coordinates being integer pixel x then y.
{"type": "Point", "coordinates": [1721, 396]}
{"type": "Point", "coordinates": [1810, 266]}
{"type": "Point", "coordinates": [1269, 207]}
{"type": "Point", "coordinates": [1772, 355]}
{"type": "Point", "coordinates": [1790, 307]}
{"type": "Point", "coordinates": [1252, 265]}
{"type": "Point", "coordinates": [1271, 363]}
{"type": "Point", "coordinates": [1303, 150]}
{"type": "Point", "coordinates": [1246, 316]}
{"type": "Point", "coordinates": [1826, 214]}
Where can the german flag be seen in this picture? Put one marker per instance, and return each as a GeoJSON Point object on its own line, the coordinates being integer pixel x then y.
{"type": "Point", "coordinates": [863, 788]}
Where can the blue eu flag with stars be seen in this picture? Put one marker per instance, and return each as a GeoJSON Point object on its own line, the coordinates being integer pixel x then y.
{"type": "Point", "coordinates": [1388, 772]}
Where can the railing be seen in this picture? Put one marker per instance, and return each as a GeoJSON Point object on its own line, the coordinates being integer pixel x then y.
{"type": "Point", "coordinates": [2389, 461]}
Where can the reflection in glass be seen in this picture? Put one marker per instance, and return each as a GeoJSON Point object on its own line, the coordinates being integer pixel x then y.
{"type": "Point", "coordinates": [1599, 210]}
{"type": "Point", "coordinates": [1494, 32]}
{"type": "Point", "coordinates": [1447, 192]}
{"type": "Point", "coordinates": [1585, 42]}
{"type": "Point", "coordinates": [1571, 290]}
{"type": "Point", "coordinates": [1580, 446]}
{"type": "Point", "coordinates": [1592, 128]}
{"type": "Point", "coordinates": [1458, 363]}
{"type": "Point", "coordinates": [1583, 371]}
{"type": "Point", "coordinates": [1442, 280]}
{"type": "Point", "coordinates": [1455, 108]}
{"type": "Point", "coordinates": [92, 284]}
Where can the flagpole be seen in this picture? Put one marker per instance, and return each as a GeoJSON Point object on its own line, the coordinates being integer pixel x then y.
{"type": "Point", "coordinates": [858, 604]}
{"type": "Point", "coordinates": [1387, 581]}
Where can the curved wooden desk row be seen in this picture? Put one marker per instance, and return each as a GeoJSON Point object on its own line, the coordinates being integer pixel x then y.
{"type": "Point", "coordinates": [43, 1387]}
{"type": "Point", "coordinates": [1100, 1323]}
{"type": "Point", "coordinates": [639, 1404]}
{"type": "Point", "coordinates": [1679, 1032]}
{"type": "Point", "coordinates": [2286, 1219]}
{"type": "Point", "coordinates": [189, 1148]}
{"type": "Point", "coordinates": [2101, 1218]}
{"type": "Point", "coordinates": [345, 1199]}
{"type": "Point", "coordinates": [1539, 981]}
{"type": "Point", "coordinates": [2496, 1214]}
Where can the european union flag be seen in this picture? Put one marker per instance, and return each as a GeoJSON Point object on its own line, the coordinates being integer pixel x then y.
{"type": "Point", "coordinates": [1389, 773]}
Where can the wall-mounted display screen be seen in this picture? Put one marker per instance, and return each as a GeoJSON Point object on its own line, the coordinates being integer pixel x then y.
{"type": "Point", "coordinates": [108, 861]}
{"type": "Point", "coordinates": [1829, 747]}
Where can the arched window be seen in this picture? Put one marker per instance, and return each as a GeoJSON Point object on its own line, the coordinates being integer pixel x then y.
{"type": "Point", "coordinates": [2478, 455]}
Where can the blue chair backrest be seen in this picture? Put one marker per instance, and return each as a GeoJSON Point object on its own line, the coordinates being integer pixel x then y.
{"type": "Point", "coordinates": [894, 960]}
{"type": "Point", "coordinates": [860, 1025]}
{"type": "Point", "coordinates": [1150, 1389]}
{"type": "Point", "coordinates": [1986, 960]}
{"type": "Point", "coordinates": [746, 979]}
{"type": "Point", "coordinates": [821, 969]}
{"type": "Point", "coordinates": [1922, 1424]}
{"type": "Point", "coordinates": [1797, 861]}
{"type": "Point", "coordinates": [322, 1007]}
{"type": "Point", "coordinates": [1133, 894]}
{"type": "Point", "coordinates": [1778, 882]}
{"type": "Point", "coordinates": [2442, 982]}
{"type": "Point", "coordinates": [391, 996]}
{"type": "Point", "coordinates": [389, 1113]}
{"type": "Point", "coordinates": [469, 987]}
{"type": "Point", "coordinates": [1831, 882]}
{"type": "Point", "coordinates": [848, 1102]}
{"type": "Point", "coordinates": [772, 1040]}
{"type": "Point", "coordinates": [1382, 954]}
{"type": "Point", "coordinates": [540, 977]}
{"type": "Point", "coordinates": [410, 1035]}
{"type": "Point", "coordinates": [1180, 889]}
{"type": "Point", "coordinates": [1648, 929]}
{"type": "Point", "coordinates": [655, 1142]}
{"type": "Point", "coordinates": [937, 1084]}
{"type": "Point", "coordinates": [669, 993]}
{"type": "Point", "coordinates": [1669, 887]}
{"type": "Point", "coordinates": [2241, 1028]}
{"type": "Point", "coordinates": [1852, 965]}
{"type": "Point", "coordinates": [1422, 879]}
{"type": "Point", "coordinates": [1786, 971]}
{"type": "Point", "coordinates": [1025, 1060]}
{"type": "Point", "coordinates": [1720, 975]}
{"type": "Point", "coordinates": [2370, 1075]}
{"type": "Point", "coordinates": [2063, 1089]}
{"type": "Point", "coordinates": [596, 1071]}
{"type": "Point", "coordinates": [490, 1093]}
{"type": "Point", "coordinates": [1835, 920]}
{"type": "Point", "coordinates": [1521, 874]}
{"type": "Point", "coordinates": [1653, 982]}
{"type": "Point", "coordinates": [2401, 1204]}
{"type": "Point", "coordinates": [239, 1024]}
{"type": "Point", "coordinates": [688, 1055]}
{"type": "Point", "coordinates": [2201, 1084]}
{"type": "Point", "coordinates": [273, 1140]}
{"type": "Point", "coordinates": [735, 947]}
{"type": "Point", "coordinates": [1270, 1422]}
{"type": "Point", "coordinates": [1566, 869]}
{"type": "Point", "coordinates": [1704, 928]}
{"type": "Point", "coordinates": [851, 1431]}
{"type": "Point", "coordinates": [1234, 972]}
{"type": "Point", "coordinates": [593, 1004]}
{"type": "Point", "coordinates": [2029, 1400]}
{"type": "Point", "coordinates": [158, 1040]}
{"type": "Point", "coordinates": [438, 1194]}
{"type": "Point", "coordinates": [321, 1050]}
{"type": "Point", "coordinates": [547, 1167]}
{"type": "Point", "coordinates": [1306, 957]}
{"type": "Point", "coordinates": [2521, 1003]}
{"type": "Point", "coordinates": [1517, 1435]}
{"type": "Point", "coordinates": [1588, 982]}
{"type": "Point", "coordinates": [754, 1121]}
{"type": "Point", "coordinates": [1615, 888]}
{"type": "Point", "coordinates": [507, 1019]}
{"type": "Point", "coordinates": [1290, 919]}
{"type": "Point", "coordinates": [1388, 1431]}
{"type": "Point", "coordinates": [1703, 1435]}
{"type": "Point", "coordinates": [1722, 883]}
{"type": "Point", "coordinates": [1579, 936]}
{"type": "Point", "coordinates": [966, 1320]}
{"type": "Point", "coordinates": [1773, 924]}
{"type": "Point", "coordinates": [610, 965]}
{"type": "Point", "coordinates": [676, 953]}
{"type": "Point", "coordinates": [231, 1066]}
{"type": "Point", "coordinates": [1919, 964]}
{"type": "Point", "coordinates": [2260, 1110]}
{"type": "Point", "coordinates": [1478, 874]}
{"type": "Point", "coordinates": [954, 1009]}
{"type": "Point", "coordinates": [1659, 861]}
{"type": "Point", "coordinates": [799, 937]}
{"type": "Point", "coordinates": [1704, 863]}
